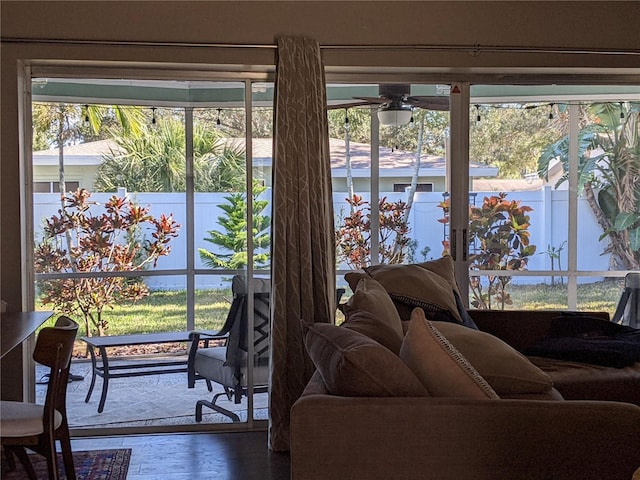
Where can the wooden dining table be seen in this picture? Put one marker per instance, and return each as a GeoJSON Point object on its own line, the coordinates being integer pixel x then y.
{"type": "Point", "coordinates": [15, 328]}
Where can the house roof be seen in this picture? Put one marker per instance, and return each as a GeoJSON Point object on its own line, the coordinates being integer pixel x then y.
{"type": "Point", "coordinates": [89, 153]}
{"type": "Point", "coordinates": [396, 163]}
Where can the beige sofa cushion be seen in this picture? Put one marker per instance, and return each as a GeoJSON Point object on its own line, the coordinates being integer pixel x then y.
{"type": "Point", "coordinates": [440, 367]}
{"type": "Point", "coordinates": [369, 295]}
{"type": "Point", "coordinates": [505, 369]}
{"type": "Point", "coordinates": [374, 327]}
{"type": "Point", "coordinates": [353, 365]}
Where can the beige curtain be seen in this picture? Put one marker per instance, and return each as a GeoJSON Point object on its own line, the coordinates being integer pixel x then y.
{"type": "Point", "coordinates": [303, 251]}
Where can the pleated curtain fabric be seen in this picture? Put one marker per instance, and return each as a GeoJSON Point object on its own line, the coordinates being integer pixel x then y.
{"type": "Point", "coordinates": [303, 245]}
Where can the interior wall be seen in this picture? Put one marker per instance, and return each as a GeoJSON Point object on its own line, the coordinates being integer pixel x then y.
{"type": "Point", "coordinates": [176, 33]}
{"type": "Point", "coordinates": [580, 25]}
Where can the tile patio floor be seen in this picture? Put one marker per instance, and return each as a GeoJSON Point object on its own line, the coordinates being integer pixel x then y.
{"type": "Point", "coordinates": [149, 400]}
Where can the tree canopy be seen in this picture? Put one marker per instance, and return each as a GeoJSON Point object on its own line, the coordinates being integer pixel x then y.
{"type": "Point", "coordinates": [403, 138]}
{"type": "Point", "coordinates": [509, 137]}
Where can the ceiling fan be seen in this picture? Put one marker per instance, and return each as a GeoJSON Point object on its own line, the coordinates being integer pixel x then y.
{"type": "Point", "coordinates": [396, 103]}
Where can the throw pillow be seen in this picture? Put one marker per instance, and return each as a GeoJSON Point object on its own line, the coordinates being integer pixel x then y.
{"type": "Point", "coordinates": [504, 368]}
{"type": "Point", "coordinates": [443, 266]}
{"type": "Point", "coordinates": [416, 286]}
{"type": "Point", "coordinates": [370, 296]}
{"type": "Point", "coordinates": [354, 365]}
{"type": "Point", "coordinates": [375, 328]}
{"type": "Point", "coordinates": [441, 368]}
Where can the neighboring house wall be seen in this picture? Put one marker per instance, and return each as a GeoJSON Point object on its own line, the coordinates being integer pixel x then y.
{"type": "Point", "coordinates": [84, 175]}
{"type": "Point", "coordinates": [81, 162]}
{"type": "Point", "coordinates": [363, 184]}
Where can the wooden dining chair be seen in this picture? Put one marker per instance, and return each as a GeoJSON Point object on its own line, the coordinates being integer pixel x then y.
{"type": "Point", "coordinates": [37, 427]}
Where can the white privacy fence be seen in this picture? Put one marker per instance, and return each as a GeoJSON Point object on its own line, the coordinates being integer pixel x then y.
{"type": "Point", "coordinates": [549, 228]}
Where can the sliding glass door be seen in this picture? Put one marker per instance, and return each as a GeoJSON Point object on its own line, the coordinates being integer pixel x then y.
{"type": "Point", "coordinates": [143, 192]}
{"type": "Point", "coordinates": [528, 187]}
{"type": "Point", "coordinates": [557, 226]}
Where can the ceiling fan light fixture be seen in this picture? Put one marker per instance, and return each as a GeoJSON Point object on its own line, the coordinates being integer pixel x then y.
{"type": "Point", "coordinates": [394, 116]}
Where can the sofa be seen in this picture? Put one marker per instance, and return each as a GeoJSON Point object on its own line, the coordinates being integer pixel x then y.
{"type": "Point", "coordinates": [575, 380]}
{"type": "Point", "coordinates": [412, 387]}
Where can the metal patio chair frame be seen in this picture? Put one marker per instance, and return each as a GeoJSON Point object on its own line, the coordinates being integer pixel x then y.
{"type": "Point", "coordinates": [226, 362]}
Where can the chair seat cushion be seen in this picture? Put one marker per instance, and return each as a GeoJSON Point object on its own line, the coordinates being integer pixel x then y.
{"type": "Point", "coordinates": [211, 363]}
{"type": "Point", "coordinates": [21, 419]}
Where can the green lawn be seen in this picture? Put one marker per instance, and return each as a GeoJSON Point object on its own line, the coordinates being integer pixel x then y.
{"type": "Point", "coordinates": [592, 297]}
{"type": "Point", "coordinates": [165, 311]}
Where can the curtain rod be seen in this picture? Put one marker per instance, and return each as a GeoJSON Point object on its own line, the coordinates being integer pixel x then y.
{"type": "Point", "coordinates": [471, 49]}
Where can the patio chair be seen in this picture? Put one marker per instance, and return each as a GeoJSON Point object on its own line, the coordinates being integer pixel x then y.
{"type": "Point", "coordinates": [628, 309]}
{"type": "Point", "coordinates": [226, 363]}
{"type": "Point", "coordinates": [37, 427]}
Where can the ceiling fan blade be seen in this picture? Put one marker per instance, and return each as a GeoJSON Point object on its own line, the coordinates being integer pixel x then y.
{"type": "Point", "coordinates": [374, 100]}
{"type": "Point", "coordinates": [429, 103]}
{"type": "Point", "coordinates": [355, 103]}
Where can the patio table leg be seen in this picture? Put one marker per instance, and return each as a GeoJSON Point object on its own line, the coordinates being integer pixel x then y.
{"type": "Point", "coordinates": [105, 378]}
{"type": "Point", "coordinates": [102, 371]}
{"type": "Point", "coordinates": [93, 374]}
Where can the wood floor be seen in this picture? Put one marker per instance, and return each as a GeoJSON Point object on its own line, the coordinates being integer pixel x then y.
{"type": "Point", "coordinates": [196, 456]}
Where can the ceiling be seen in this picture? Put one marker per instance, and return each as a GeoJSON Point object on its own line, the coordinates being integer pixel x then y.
{"type": "Point", "coordinates": [184, 93]}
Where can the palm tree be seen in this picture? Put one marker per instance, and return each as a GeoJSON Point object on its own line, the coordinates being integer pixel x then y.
{"type": "Point", "coordinates": [608, 174]}
{"type": "Point", "coordinates": [60, 124]}
{"type": "Point", "coordinates": [218, 166]}
{"type": "Point", "coordinates": [155, 161]}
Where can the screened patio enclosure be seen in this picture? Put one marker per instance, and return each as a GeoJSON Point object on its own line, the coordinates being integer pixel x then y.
{"type": "Point", "coordinates": [452, 175]}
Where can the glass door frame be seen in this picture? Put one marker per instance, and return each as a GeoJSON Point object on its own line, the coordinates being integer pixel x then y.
{"type": "Point", "coordinates": [28, 233]}
{"type": "Point", "coordinates": [459, 120]}
{"type": "Point", "coordinates": [458, 185]}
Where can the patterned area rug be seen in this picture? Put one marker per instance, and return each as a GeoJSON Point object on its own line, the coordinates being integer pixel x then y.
{"type": "Point", "coordinates": [90, 465]}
